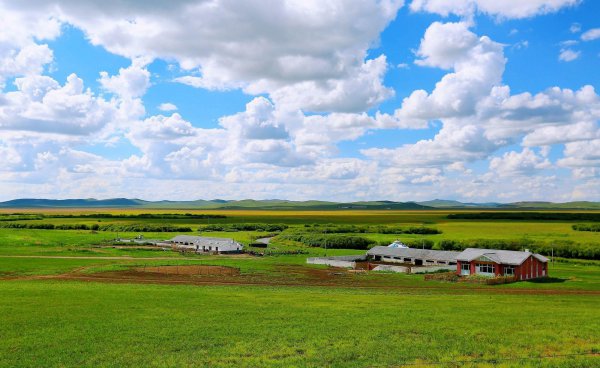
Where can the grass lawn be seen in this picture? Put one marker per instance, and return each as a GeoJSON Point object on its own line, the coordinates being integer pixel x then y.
{"type": "Point", "coordinates": [307, 316]}
{"type": "Point", "coordinates": [45, 323]}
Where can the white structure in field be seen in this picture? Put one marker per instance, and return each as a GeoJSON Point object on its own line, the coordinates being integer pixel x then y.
{"type": "Point", "coordinates": [417, 257]}
{"type": "Point", "coordinates": [398, 244]}
{"type": "Point", "coordinates": [202, 244]}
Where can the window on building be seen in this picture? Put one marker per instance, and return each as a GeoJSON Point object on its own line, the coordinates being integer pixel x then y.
{"type": "Point", "coordinates": [485, 268]}
{"type": "Point", "coordinates": [509, 270]}
{"type": "Point", "coordinates": [465, 267]}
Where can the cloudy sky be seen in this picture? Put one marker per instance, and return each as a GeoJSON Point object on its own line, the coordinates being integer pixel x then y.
{"type": "Point", "coordinates": [475, 100]}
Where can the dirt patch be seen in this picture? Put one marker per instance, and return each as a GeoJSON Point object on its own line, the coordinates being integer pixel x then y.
{"type": "Point", "coordinates": [200, 270]}
{"type": "Point", "coordinates": [284, 275]}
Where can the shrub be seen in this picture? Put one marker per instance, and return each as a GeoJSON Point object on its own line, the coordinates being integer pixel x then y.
{"type": "Point", "coordinates": [330, 241]}
{"type": "Point", "coordinates": [244, 227]}
{"type": "Point", "coordinates": [586, 227]}
{"type": "Point", "coordinates": [558, 216]}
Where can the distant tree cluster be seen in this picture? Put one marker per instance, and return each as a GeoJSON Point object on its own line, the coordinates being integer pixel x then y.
{"type": "Point", "coordinates": [566, 249]}
{"type": "Point", "coordinates": [97, 227]}
{"type": "Point", "coordinates": [586, 227]}
{"type": "Point", "coordinates": [244, 227]}
{"type": "Point", "coordinates": [161, 216]}
{"type": "Point", "coordinates": [329, 241]}
{"type": "Point", "coordinates": [554, 216]}
{"type": "Point", "coordinates": [19, 217]}
{"type": "Point", "coordinates": [360, 229]}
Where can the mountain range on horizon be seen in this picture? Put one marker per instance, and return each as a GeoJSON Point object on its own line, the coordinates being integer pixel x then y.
{"type": "Point", "coordinates": [279, 204]}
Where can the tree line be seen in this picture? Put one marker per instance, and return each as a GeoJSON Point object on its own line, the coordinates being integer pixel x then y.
{"type": "Point", "coordinates": [554, 216]}
{"type": "Point", "coordinates": [98, 227]}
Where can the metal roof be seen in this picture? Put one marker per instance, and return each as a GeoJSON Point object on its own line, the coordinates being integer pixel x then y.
{"type": "Point", "coordinates": [434, 255]}
{"type": "Point", "coordinates": [224, 244]}
{"type": "Point", "coordinates": [510, 257]}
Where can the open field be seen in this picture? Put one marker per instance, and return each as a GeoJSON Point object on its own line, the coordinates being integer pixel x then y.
{"type": "Point", "coordinates": [91, 324]}
{"type": "Point", "coordinates": [74, 298]}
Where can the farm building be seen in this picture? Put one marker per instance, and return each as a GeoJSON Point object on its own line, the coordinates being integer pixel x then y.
{"type": "Point", "coordinates": [492, 262]}
{"type": "Point", "coordinates": [201, 244]}
{"type": "Point", "coordinates": [417, 257]}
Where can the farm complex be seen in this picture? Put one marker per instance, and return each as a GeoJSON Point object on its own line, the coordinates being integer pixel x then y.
{"type": "Point", "coordinates": [128, 288]}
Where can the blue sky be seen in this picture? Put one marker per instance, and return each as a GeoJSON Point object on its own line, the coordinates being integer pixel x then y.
{"type": "Point", "coordinates": [415, 100]}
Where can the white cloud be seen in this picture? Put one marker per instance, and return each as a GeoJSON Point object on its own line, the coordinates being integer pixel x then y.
{"type": "Point", "coordinates": [19, 53]}
{"type": "Point", "coordinates": [258, 47]}
{"type": "Point", "coordinates": [478, 114]}
{"type": "Point", "coordinates": [526, 162]}
{"type": "Point", "coordinates": [355, 93]}
{"type": "Point", "coordinates": [478, 64]}
{"type": "Point", "coordinates": [509, 9]}
{"type": "Point", "coordinates": [131, 82]}
{"type": "Point", "coordinates": [40, 104]}
{"type": "Point", "coordinates": [167, 106]}
{"type": "Point", "coordinates": [575, 28]}
{"type": "Point", "coordinates": [582, 156]}
{"type": "Point", "coordinates": [590, 35]}
{"type": "Point", "coordinates": [568, 55]}
{"type": "Point", "coordinates": [312, 96]}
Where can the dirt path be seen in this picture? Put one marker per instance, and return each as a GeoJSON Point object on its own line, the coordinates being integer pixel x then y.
{"type": "Point", "coordinates": [128, 258]}
{"type": "Point", "coordinates": [283, 275]}
{"type": "Point", "coordinates": [297, 277]}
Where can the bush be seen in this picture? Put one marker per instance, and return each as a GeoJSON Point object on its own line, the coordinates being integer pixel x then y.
{"type": "Point", "coordinates": [330, 241]}
{"type": "Point", "coordinates": [563, 248]}
{"type": "Point", "coordinates": [558, 216]}
{"type": "Point", "coordinates": [358, 229]}
{"type": "Point", "coordinates": [96, 227]}
{"type": "Point", "coordinates": [586, 227]}
{"type": "Point", "coordinates": [143, 228]}
{"type": "Point", "coordinates": [244, 227]}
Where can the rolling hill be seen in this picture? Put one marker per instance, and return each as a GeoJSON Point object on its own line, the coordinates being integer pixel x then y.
{"type": "Point", "coordinates": [280, 204]}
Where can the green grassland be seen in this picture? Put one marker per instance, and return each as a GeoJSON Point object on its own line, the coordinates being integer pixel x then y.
{"type": "Point", "coordinates": [82, 324]}
{"type": "Point", "coordinates": [375, 319]}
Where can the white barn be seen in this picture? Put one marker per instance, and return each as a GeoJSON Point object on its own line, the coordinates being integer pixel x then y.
{"type": "Point", "coordinates": [417, 257]}
{"type": "Point", "coordinates": [202, 244]}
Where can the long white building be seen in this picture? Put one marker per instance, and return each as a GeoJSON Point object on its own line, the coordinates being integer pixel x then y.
{"type": "Point", "coordinates": [202, 244]}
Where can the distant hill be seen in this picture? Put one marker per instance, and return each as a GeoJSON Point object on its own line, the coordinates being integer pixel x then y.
{"type": "Point", "coordinates": [58, 203]}
{"type": "Point", "coordinates": [582, 205]}
{"type": "Point", "coordinates": [449, 204]}
{"type": "Point", "coordinates": [444, 203]}
{"type": "Point", "coordinates": [273, 204]}
{"type": "Point", "coordinates": [281, 204]}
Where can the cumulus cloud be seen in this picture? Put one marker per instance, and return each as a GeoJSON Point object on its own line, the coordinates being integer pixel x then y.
{"type": "Point", "coordinates": [477, 63]}
{"type": "Point", "coordinates": [590, 35]}
{"type": "Point", "coordinates": [167, 106]}
{"type": "Point", "coordinates": [19, 53]}
{"type": "Point", "coordinates": [131, 82]}
{"type": "Point", "coordinates": [526, 162]}
{"type": "Point", "coordinates": [258, 46]}
{"type": "Point", "coordinates": [312, 74]}
{"type": "Point", "coordinates": [583, 157]}
{"type": "Point", "coordinates": [477, 112]}
{"type": "Point", "coordinates": [40, 104]}
{"type": "Point", "coordinates": [507, 9]}
{"type": "Point", "coordinates": [568, 55]}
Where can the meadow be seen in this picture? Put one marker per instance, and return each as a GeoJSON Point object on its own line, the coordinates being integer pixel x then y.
{"type": "Point", "coordinates": [62, 302]}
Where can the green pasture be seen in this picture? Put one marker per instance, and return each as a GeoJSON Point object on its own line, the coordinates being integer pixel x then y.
{"type": "Point", "coordinates": [59, 324]}
{"type": "Point", "coordinates": [374, 319]}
